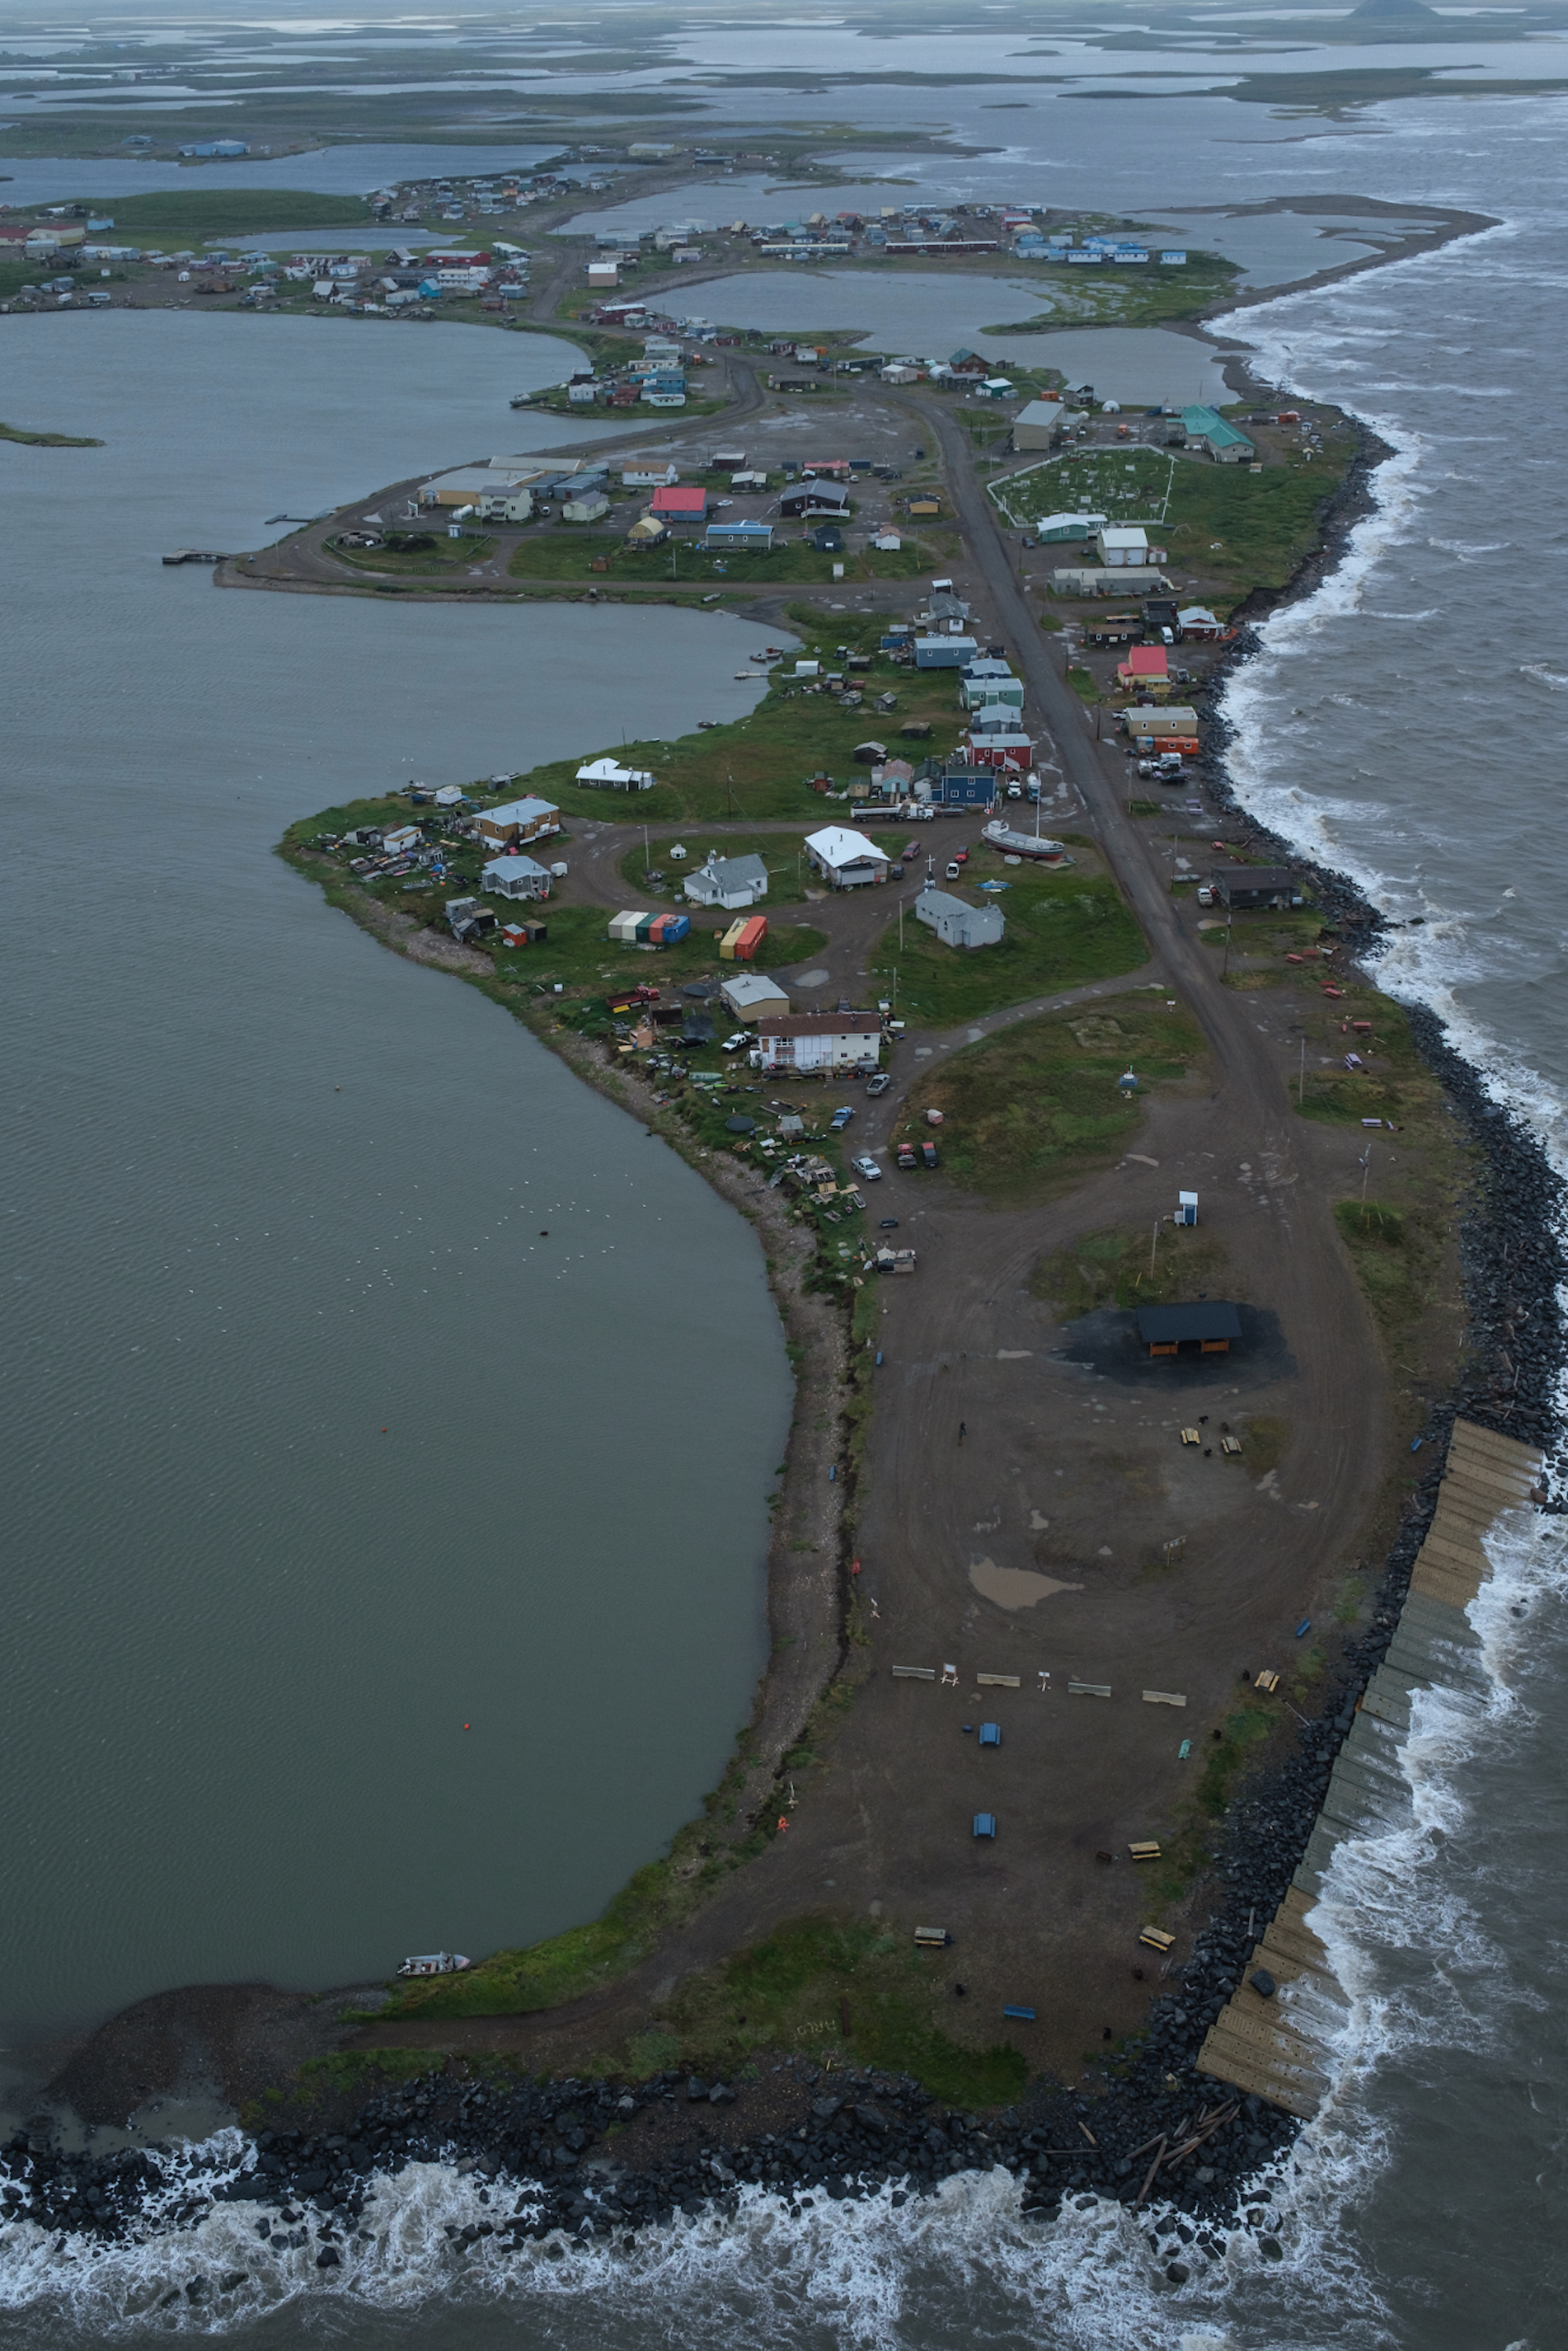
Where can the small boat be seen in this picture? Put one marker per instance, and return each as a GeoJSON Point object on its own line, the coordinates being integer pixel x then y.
{"type": "Point", "coordinates": [435, 1963]}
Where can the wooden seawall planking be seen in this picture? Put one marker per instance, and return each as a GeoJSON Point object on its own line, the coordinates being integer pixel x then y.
{"type": "Point", "coordinates": [1269, 2046]}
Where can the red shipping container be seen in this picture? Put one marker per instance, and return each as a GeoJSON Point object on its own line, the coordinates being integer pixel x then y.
{"type": "Point", "coordinates": [751, 938]}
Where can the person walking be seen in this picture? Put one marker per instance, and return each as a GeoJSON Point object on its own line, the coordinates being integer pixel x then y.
{"type": "Point", "coordinates": [962, 1431]}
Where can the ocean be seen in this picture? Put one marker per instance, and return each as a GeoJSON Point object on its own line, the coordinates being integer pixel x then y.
{"type": "Point", "coordinates": [1404, 725]}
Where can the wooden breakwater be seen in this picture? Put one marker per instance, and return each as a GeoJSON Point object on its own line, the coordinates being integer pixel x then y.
{"type": "Point", "coordinates": [1270, 2043]}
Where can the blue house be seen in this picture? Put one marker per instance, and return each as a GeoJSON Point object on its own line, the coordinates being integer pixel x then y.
{"type": "Point", "coordinates": [958, 786]}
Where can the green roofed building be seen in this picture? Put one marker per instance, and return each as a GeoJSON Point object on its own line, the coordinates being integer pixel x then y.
{"type": "Point", "coordinates": [1208, 430]}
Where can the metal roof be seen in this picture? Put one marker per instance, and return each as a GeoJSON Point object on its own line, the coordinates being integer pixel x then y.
{"type": "Point", "coordinates": [1213, 1318]}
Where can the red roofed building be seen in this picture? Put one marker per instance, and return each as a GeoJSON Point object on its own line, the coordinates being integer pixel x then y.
{"type": "Point", "coordinates": [679, 504]}
{"type": "Point", "coordinates": [1145, 670]}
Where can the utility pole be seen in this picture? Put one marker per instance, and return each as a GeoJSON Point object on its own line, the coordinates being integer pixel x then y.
{"type": "Point", "coordinates": [1301, 1076]}
{"type": "Point", "coordinates": [647, 854]}
{"type": "Point", "coordinates": [1229, 922]}
{"type": "Point", "coordinates": [1153, 1244]}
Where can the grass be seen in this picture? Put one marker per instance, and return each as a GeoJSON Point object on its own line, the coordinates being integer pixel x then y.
{"type": "Point", "coordinates": [1395, 1085]}
{"type": "Point", "coordinates": [561, 553]}
{"type": "Point", "coordinates": [1112, 1269]}
{"type": "Point", "coordinates": [835, 1989]}
{"type": "Point", "coordinates": [1186, 1852]}
{"type": "Point", "coordinates": [1236, 529]}
{"type": "Point", "coordinates": [48, 440]}
{"type": "Point", "coordinates": [1060, 928]}
{"type": "Point", "coordinates": [1142, 297]}
{"type": "Point", "coordinates": [206, 210]}
{"type": "Point", "coordinates": [756, 767]}
{"type": "Point", "coordinates": [1034, 1106]}
{"type": "Point", "coordinates": [443, 554]}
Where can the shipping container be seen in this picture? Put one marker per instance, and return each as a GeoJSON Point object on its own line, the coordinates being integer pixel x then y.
{"type": "Point", "coordinates": [624, 926]}
{"type": "Point", "coordinates": [752, 934]}
{"type": "Point", "coordinates": [727, 946]}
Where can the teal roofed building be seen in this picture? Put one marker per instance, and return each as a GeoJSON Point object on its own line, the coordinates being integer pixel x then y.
{"type": "Point", "coordinates": [1208, 430]}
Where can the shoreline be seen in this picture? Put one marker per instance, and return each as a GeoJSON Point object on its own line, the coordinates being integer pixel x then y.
{"type": "Point", "coordinates": [1518, 1210]}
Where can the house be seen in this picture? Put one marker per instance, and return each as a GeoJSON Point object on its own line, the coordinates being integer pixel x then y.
{"type": "Point", "coordinates": [944, 652]}
{"type": "Point", "coordinates": [1208, 430]}
{"type": "Point", "coordinates": [609, 776]}
{"type": "Point", "coordinates": [958, 784]}
{"type": "Point", "coordinates": [1054, 530]}
{"type": "Point", "coordinates": [677, 503]}
{"type": "Point", "coordinates": [815, 499]}
{"type": "Point", "coordinates": [987, 682]}
{"type": "Point", "coordinates": [1176, 720]}
{"type": "Point", "coordinates": [1036, 424]}
{"type": "Point", "coordinates": [829, 469]}
{"type": "Point", "coordinates": [1145, 670]}
{"type": "Point", "coordinates": [752, 995]}
{"type": "Point", "coordinates": [589, 508]}
{"type": "Point", "coordinates": [517, 821]}
{"type": "Point", "coordinates": [995, 718]}
{"type": "Point", "coordinates": [756, 535]}
{"type": "Point", "coordinates": [1197, 621]}
{"type": "Point", "coordinates": [805, 1042]}
{"type": "Point", "coordinates": [845, 860]}
{"type": "Point", "coordinates": [603, 273]}
{"type": "Point", "coordinates": [1244, 887]}
{"type": "Point", "coordinates": [1123, 546]}
{"type": "Point", "coordinates": [729, 882]}
{"type": "Point", "coordinates": [514, 877]}
{"type": "Point", "coordinates": [646, 531]}
{"type": "Point", "coordinates": [957, 924]}
{"type": "Point", "coordinates": [1209, 1326]}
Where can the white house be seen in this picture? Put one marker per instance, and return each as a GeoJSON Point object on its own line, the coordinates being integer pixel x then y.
{"type": "Point", "coordinates": [819, 1040]}
{"type": "Point", "coordinates": [514, 877]}
{"type": "Point", "coordinates": [729, 882]}
{"type": "Point", "coordinates": [957, 924]}
{"type": "Point", "coordinates": [609, 774]}
{"type": "Point", "coordinates": [845, 859]}
{"type": "Point", "coordinates": [586, 508]}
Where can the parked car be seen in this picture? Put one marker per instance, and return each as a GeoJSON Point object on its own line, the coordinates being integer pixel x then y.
{"type": "Point", "coordinates": [928, 1154]}
{"type": "Point", "coordinates": [906, 1154]}
{"type": "Point", "coordinates": [880, 1084]}
{"type": "Point", "coordinates": [733, 1044]}
{"type": "Point", "coordinates": [953, 873]}
{"type": "Point", "coordinates": [913, 850]}
{"type": "Point", "coordinates": [866, 1165]}
{"type": "Point", "coordinates": [843, 1117]}
{"type": "Point", "coordinates": [960, 857]}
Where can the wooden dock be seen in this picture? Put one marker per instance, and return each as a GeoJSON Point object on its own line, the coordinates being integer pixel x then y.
{"type": "Point", "coordinates": [1276, 2047]}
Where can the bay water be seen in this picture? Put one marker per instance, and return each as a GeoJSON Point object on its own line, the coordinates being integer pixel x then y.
{"type": "Point", "coordinates": [383, 1574]}
{"type": "Point", "coordinates": [1421, 2210]}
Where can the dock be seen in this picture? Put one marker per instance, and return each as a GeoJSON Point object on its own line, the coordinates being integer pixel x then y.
{"type": "Point", "coordinates": [1277, 2046]}
{"type": "Point", "coordinates": [194, 555]}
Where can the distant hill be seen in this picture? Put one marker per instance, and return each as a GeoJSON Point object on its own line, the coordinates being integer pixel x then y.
{"type": "Point", "coordinates": [1387, 9]}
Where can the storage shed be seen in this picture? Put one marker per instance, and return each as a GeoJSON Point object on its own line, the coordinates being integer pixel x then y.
{"type": "Point", "coordinates": [1209, 1326]}
{"type": "Point", "coordinates": [751, 994]}
{"type": "Point", "coordinates": [957, 924]}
